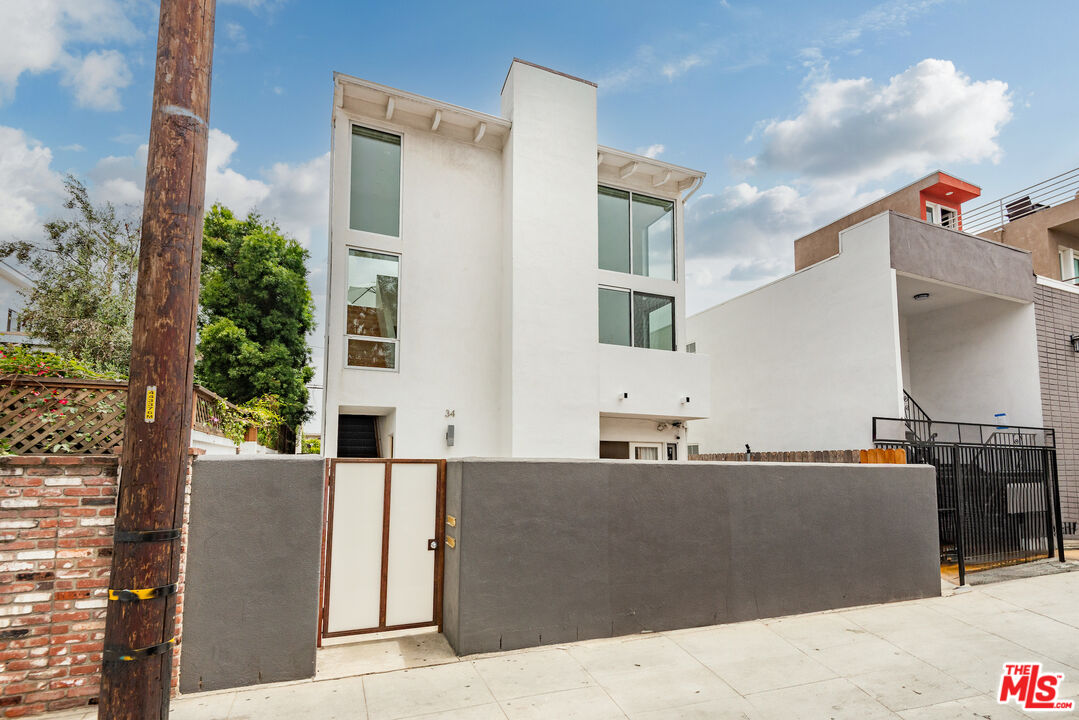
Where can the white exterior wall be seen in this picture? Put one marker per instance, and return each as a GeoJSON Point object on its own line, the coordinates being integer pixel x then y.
{"type": "Point", "coordinates": [499, 282]}
{"type": "Point", "coordinates": [12, 283]}
{"type": "Point", "coordinates": [448, 313]}
{"type": "Point", "coordinates": [971, 361]}
{"type": "Point", "coordinates": [806, 362]}
{"type": "Point", "coordinates": [554, 253]}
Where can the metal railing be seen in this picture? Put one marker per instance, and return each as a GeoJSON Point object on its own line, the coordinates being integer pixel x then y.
{"type": "Point", "coordinates": [911, 430]}
{"type": "Point", "coordinates": [998, 500]}
{"type": "Point", "coordinates": [996, 504]}
{"type": "Point", "coordinates": [996, 214]}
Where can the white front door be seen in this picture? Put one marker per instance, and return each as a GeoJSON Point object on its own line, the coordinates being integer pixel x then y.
{"type": "Point", "coordinates": [383, 545]}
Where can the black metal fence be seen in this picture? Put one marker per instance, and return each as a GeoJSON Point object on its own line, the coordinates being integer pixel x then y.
{"type": "Point", "coordinates": [998, 500]}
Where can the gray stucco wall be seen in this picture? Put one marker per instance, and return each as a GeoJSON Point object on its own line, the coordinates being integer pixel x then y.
{"type": "Point", "coordinates": [251, 597]}
{"type": "Point", "coordinates": [938, 253]}
{"type": "Point", "coordinates": [554, 551]}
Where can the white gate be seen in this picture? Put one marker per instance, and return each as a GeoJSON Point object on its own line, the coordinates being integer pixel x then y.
{"type": "Point", "coordinates": [383, 545]}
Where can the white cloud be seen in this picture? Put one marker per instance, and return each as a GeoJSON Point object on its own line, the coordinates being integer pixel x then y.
{"type": "Point", "coordinates": [98, 78]}
{"type": "Point", "coordinates": [237, 36]}
{"type": "Point", "coordinates": [927, 116]}
{"type": "Point", "coordinates": [652, 151]}
{"type": "Point", "coordinates": [681, 66]}
{"type": "Point", "coordinates": [299, 198]}
{"type": "Point", "coordinates": [296, 196]}
{"type": "Point", "coordinates": [256, 4]}
{"type": "Point", "coordinates": [235, 32]}
{"type": "Point", "coordinates": [223, 184]}
{"type": "Point", "coordinates": [646, 66]}
{"type": "Point", "coordinates": [28, 185]}
{"type": "Point", "coordinates": [73, 147]}
{"type": "Point", "coordinates": [892, 17]}
{"type": "Point", "coordinates": [119, 180]}
{"type": "Point", "coordinates": [747, 223]}
{"type": "Point", "coordinates": [852, 139]}
{"type": "Point", "coordinates": [40, 36]}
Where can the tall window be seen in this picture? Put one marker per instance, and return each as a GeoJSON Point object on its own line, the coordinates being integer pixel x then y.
{"type": "Point", "coordinates": [636, 319]}
{"type": "Point", "coordinates": [371, 315]}
{"type": "Point", "coordinates": [636, 234]}
{"type": "Point", "coordinates": [375, 191]}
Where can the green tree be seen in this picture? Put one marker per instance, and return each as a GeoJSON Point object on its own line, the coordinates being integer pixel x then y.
{"type": "Point", "coordinates": [83, 298]}
{"type": "Point", "coordinates": [255, 313]}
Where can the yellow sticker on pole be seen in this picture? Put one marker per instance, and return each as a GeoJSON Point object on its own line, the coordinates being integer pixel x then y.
{"type": "Point", "coordinates": [151, 403]}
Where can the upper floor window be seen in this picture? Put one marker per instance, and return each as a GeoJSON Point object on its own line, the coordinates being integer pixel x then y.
{"type": "Point", "coordinates": [940, 215]}
{"type": "Point", "coordinates": [375, 190]}
{"type": "Point", "coordinates": [636, 234]}
{"type": "Point", "coordinates": [636, 319]}
{"type": "Point", "coordinates": [371, 314]}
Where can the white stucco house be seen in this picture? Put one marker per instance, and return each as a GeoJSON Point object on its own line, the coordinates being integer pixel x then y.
{"type": "Point", "coordinates": [12, 284]}
{"type": "Point", "coordinates": [885, 308]}
{"type": "Point", "coordinates": [503, 286]}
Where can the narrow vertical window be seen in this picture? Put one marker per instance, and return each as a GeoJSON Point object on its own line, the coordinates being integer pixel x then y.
{"type": "Point", "coordinates": [653, 237]}
{"type": "Point", "coordinates": [371, 315]}
{"type": "Point", "coordinates": [613, 230]}
{"type": "Point", "coordinates": [614, 317]}
{"type": "Point", "coordinates": [375, 191]}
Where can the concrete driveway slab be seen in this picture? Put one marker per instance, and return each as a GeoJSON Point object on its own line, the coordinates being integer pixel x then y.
{"type": "Point", "coordinates": [340, 701]}
{"type": "Point", "coordinates": [912, 687]}
{"type": "Point", "coordinates": [590, 703]}
{"type": "Point", "coordinates": [408, 693]}
{"type": "Point", "coordinates": [647, 690]}
{"type": "Point", "coordinates": [837, 699]}
{"type": "Point", "coordinates": [535, 673]}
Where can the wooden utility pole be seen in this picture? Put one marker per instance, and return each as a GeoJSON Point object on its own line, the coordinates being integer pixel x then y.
{"type": "Point", "coordinates": [137, 664]}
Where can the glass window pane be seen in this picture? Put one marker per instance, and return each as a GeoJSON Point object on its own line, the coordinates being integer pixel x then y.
{"type": "Point", "coordinates": [372, 294]}
{"type": "Point", "coordinates": [646, 453]}
{"type": "Point", "coordinates": [653, 321]}
{"type": "Point", "coordinates": [372, 353]}
{"type": "Point", "coordinates": [376, 182]}
{"type": "Point", "coordinates": [613, 317]}
{"type": "Point", "coordinates": [613, 230]}
{"type": "Point", "coordinates": [653, 237]}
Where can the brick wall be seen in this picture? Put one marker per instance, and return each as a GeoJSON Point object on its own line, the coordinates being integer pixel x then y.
{"type": "Point", "coordinates": [56, 525]}
{"type": "Point", "coordinates": [1057, 316]}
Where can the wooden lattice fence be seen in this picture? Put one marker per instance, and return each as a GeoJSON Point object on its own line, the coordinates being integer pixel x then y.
{"type": "Point", "coordinates": [61, 415]}
{"type": "Point", "coordinates": [78, 415]}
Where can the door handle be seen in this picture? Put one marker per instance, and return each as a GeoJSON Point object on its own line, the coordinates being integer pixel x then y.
{"type": "Point", "coordinates": [432, 544]}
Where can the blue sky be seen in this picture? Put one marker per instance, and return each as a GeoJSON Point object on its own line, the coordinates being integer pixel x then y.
{"type": "Point", "coordinates": [798, 111]}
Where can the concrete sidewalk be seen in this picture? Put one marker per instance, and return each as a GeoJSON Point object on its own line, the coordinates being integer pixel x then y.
{"type": "Point", "coordinates": [921, 660]}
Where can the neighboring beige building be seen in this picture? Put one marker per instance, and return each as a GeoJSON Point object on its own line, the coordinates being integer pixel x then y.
{"type": "Point", "coordinates": [936, 198]}
{"type": "Point", "coordinates": [1050, 233]}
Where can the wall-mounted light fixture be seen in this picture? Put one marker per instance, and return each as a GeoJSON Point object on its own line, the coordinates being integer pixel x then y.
{"type": "Point", "coordinates": [449, 436]}
{"type": "Point", "coordinates": [921, 296]}
{"type": "Point", "coordinates": [1075, 342]}
{"type": "Point", "coordinates": [685, 400]}
{"type": "Point", "coordinates": [625, 396]}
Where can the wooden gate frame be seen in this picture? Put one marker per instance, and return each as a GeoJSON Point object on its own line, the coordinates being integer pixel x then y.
{"type": "Point", "coordinates": [327, 546]}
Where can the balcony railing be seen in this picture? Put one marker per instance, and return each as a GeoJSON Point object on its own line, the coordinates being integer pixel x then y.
{"type": "Point", "coordinates": [996, 214]}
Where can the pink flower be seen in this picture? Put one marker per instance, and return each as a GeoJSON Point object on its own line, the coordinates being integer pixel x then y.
{"type": "Point", "coordinates": [63, 401]}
